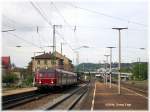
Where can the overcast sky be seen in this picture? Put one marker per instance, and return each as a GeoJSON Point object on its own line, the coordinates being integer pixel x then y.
{"type": "Point", "coordinates": [93, 20]}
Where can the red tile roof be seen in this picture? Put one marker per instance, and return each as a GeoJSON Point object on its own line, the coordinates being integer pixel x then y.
{"type": "Point", "coordinates": [43, 56]}
{"type": "Point", "coordinates": [49, 56]}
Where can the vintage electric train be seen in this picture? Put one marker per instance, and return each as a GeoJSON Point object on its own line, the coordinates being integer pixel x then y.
{"type": "Point", "coordinates": [50, 78]}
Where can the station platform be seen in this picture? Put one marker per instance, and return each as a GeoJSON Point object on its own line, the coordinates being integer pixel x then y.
{"type": "Point", "coordinates": [105, 98]}
{"type": "Point", "coordinates": [17, 91]}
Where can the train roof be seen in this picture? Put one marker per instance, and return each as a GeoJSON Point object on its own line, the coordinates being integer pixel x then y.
{"type": "Point", "coordinates": [58, 70]}
{"type": "Point", "coordinates": [68, 72]}
{"type": "Point", "coordinates": [46, 70]}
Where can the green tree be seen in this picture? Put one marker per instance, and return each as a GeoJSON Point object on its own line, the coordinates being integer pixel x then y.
{"type": "Point", "coordinates": [126, 69]}
{"type": "Point", "coordinates": [140, 71]}
{"type": "Point", "coordinates": [28, 80]}
{"type": "Point", "coordinates": [9, 78]}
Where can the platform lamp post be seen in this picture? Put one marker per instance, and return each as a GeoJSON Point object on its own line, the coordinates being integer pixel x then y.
{"type": "Point", "coordinates": [104, 72]}
{"type": "Point", "coordinates": [106, 66]}
{"type": "Point", "coordinates": [77, 53]}
{"type": "Point", "coordinates": [110, 71]}
{"type": "Point", "coordinates": [119, 65]}
{"type": "Point", "coordinates": [140, 62]}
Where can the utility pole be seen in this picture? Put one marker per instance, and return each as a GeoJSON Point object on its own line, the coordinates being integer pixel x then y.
{"type": "Point", "coordinates": [119, 66]}
{"type": "Point", "coordinates": [110, 72]}
{"type": "Point", "coordinates": [77, 57]}
{"type": "Point", "coordinates": [54, 43]}
{"type": "Point", "coordinates": [61, 47]}
{"type": "Point", "coordinates": [106, 66]}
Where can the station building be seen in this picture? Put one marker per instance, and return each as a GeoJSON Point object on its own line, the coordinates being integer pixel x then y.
{"type": "Point", "coordinates": [49, 60]}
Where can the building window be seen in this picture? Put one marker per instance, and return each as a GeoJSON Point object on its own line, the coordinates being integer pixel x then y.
{"type": "Point", "coordinates": [45, 62]}
{"type": "Point", "coordinates": [38, 62]}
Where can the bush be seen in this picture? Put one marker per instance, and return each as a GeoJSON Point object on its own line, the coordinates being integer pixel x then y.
{"type": "Point", "coordinates": [28, 81]}
{"type": "Point", "coordinates": [140, 71]}
{"type": "Point", "coordinates": [9, 78]}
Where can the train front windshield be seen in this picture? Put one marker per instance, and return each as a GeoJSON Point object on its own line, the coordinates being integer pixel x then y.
{"type": "Point", "coordinates": [47, 73]}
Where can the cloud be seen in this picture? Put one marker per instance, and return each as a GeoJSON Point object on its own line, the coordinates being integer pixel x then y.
{"type": "Point", "coordinates": [93, 30]}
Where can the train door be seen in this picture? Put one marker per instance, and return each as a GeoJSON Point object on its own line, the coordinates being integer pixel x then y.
{"type": "Point", "coordinates": [63, 78]}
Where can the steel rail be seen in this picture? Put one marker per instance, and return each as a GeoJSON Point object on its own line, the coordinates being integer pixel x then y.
{"type": "Point", "coordinates": [14, 102]}
{"type": "Point", "coordinates": [72, 105]}
{"type": "Point", "coordinates": [53, 104]}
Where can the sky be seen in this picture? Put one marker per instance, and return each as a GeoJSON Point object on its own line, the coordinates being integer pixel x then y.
{"type": "Point", "coordinates": [79, 23]}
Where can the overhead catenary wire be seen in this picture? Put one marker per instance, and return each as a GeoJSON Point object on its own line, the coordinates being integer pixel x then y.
{"type": "Point", "coordinates": [65, 40]}
{"type": "Point", "coordinates": [37, 9]}
{"type": "Point", "coordinates": [62, 16]}
{"type": "Point", "coordinates": [78, 26]}
{"type": "Point", "coordinates": [9, 20]}
{"type": "Point", "coordinates": [107, 15]}
{"type": "Point", "coordinates": [40, 12]}
{"type": "Point", "coordinates": [26, 41]}
{"type": "Point", "coordinates": [68, 25]}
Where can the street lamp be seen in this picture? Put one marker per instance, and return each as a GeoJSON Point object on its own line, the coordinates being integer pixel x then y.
{"type": "Point", "coordinates": [77, 53]}
{"type": "Point", "coordinates": [140, 62]}
{"type": "Point", "coordinates": [110, 63]}
{"type": "Point", "coordinates": [8, 30]}
{"type": "Point", "coordinates": [104, 72]}
{"type": "Point", "coordinates": [84, 46]}
{"type": "Point", "coordinates": [119, 74]}
{"type": "Point", "coordinates": [106, 66]}
{"type": "Point", "coordinates": [18, 46]}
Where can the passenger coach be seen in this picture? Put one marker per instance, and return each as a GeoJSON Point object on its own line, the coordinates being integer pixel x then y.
{"type": "Point", "coordinates": [54, 78]}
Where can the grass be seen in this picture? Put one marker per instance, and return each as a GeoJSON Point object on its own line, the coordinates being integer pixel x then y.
{"type": "Point", "coordinates": [140, 84]}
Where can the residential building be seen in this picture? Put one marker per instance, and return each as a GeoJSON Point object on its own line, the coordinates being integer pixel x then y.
{"type": "Point", "coordinates": [46, 60]}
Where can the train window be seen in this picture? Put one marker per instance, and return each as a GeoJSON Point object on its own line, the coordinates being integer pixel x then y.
{"type": "Point", "coordinates": [38, 62]}
{"type": "Point", "coordinates": [47, 73]}
{"type": "Point", "coordinates": [45, 62]}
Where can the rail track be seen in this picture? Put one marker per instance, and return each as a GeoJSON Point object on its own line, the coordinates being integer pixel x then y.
{"type": "Point", "coordinates": [11, 101]}
{"type": "Point", "coordinates": [67, 101]}
{"type": "Point", "coordinates": [132, 87]}
{"type": "Point", "coordinates": [72, 96]}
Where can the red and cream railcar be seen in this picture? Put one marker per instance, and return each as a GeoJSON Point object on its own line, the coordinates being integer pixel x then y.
{"type": "Point", "coordinates": [54, 78]}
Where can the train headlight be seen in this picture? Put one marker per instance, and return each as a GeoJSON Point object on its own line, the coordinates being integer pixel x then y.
{"type": "Point", "coordinates": [39, 81]}
{"type": "Point", "coordinates": [52, 82]}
